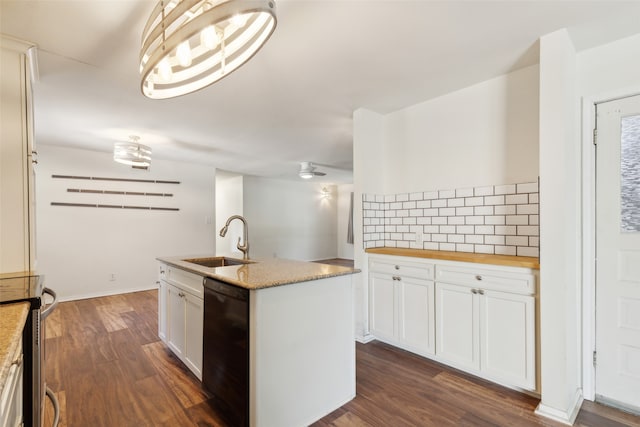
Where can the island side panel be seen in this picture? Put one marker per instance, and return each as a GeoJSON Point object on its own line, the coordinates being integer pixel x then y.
{"type": "Point", "coordinates": [302, 351]}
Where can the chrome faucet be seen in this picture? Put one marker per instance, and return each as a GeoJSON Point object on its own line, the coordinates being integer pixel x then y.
{"type": "Point", "coordinates": [245, 235]}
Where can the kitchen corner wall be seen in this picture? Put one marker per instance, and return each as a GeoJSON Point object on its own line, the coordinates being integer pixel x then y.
{"type": "Point", "coordinates": [85, 252]}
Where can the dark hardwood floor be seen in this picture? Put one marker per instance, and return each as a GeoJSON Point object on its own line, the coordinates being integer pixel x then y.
{"type": "Point", "coordinates": [108, 368]}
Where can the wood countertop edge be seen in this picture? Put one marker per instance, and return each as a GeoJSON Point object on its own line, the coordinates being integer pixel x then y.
{"type": "Point", "coordinates": [13, 319]}
{"type": "Point", "coordinates": [504, 260]}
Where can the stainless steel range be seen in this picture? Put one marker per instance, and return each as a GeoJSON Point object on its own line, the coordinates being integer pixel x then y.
{"type": "Point", "coordinates": [31, 288]}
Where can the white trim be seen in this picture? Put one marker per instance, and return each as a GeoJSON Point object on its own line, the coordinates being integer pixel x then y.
{"type": "Point", "coordinates": [105, 294]}
{"type": "Point", "coordinates": [588, 233]}
{"type": "Point", "coordinates": [364, 339]}
{"type": "Point", "coordinates": [565, 417]}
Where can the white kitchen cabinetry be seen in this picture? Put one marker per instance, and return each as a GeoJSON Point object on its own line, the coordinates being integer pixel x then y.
{"type": "Point", "coordinates": [481, 319]}
{"type": "Point", "coordinates": [486, 322]}
{"type": "Point", "coordinates": [402, 304]}
{"type": "Point", "coordinates": [17, 195]}
{"type": "Point", "coordinates": [11, 397]}
{"type": "Point", "coordinates": [180, 315]}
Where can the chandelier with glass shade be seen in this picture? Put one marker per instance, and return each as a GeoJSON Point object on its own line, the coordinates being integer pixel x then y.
{"type": "Point", "coordinates": [190, 44]}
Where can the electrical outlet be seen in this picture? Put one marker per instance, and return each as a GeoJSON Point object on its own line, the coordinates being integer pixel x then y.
{"type": "Point", "coordinates": [419, 238]}
{"type": "Point", "coordinates": [112, 277]}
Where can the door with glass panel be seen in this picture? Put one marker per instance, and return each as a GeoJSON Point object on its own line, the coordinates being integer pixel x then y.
{"type": "Point", "coordinates": [618, 253]}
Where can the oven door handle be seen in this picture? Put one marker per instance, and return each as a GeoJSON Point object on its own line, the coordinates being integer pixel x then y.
{"type": "Point", "coordinates": [44, 313]}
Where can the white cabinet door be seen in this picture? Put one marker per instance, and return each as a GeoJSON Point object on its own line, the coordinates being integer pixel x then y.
{"type": "Point", "coordinates": [162, 310]}
{"type": "Point", "coordinates": [457, 335]}
{"type": "Point", "coordinates": [194, 311]}
{"type": "Point", "coordinates": [416, 308]}
{"type": "Point", "coordinates": [507, 338]}
{"type": "Point", "coordinates": [382, 306]}
{"type": "Point", "coordinates": [175, 320]}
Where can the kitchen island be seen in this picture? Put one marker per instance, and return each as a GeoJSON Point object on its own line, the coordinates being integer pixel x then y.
{"type": "Point", "coordinates": [301, 347]}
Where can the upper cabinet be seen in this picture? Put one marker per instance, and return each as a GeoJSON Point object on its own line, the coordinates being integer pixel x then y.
{"type": "Point", "coordinates": [17, 157]}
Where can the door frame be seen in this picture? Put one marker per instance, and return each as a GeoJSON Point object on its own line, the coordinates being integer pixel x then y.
{"type": "Point", "coordinates": [589, 232]}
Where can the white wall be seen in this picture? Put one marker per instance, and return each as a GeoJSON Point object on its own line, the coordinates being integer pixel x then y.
{"type": "Point", "coordinates": [229, 201]}
{"type": "Point", "coordinates": [80, 248]}
{"type": "Point", "coordinates": [486, 134]}
{"type": "Point", "coordinates": [345, 250]}
{"type": "Point", "coordinates": [290, 219]}
{"type": "Point", "coordinates": [560, 229]}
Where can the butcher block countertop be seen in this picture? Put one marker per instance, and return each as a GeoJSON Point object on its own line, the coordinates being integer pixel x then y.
{"type": "Point", "coordinates": [262, 273]}
{"type": "Point", "coordinates": [506, 260]}
{"type": "Point", "coordinates": [12, 320]}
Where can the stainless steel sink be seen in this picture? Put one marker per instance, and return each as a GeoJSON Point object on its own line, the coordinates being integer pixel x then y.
{"type": "Point", "coordinates": [217, 261]}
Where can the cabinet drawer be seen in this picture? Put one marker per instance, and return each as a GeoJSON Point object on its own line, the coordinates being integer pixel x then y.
{"type": "Point", "coordinates": [185, 280]}
{"type": "Point", "coordinates": [500, 280]}
{"type": "Point", "coordinates": [401, 268]}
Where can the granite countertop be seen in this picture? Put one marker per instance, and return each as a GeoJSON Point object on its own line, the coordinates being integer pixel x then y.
{"type": "Point", "coordinates": [262, 273]}
{"type": "Point", "coordinates": [506, 260]}
{"type": "Point", "coordinates": [12, 320]}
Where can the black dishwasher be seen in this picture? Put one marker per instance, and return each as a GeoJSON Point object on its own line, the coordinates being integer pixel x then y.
{"type": "Point", "coordinates": [225, 349]}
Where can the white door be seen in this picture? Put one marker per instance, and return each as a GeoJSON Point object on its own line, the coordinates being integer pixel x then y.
{"type": "Point", "coordinates": [618, 253]}
{"type": "Point", "coordinates": [416, 320]}
{"type": "Point", "coordinates": [458, 326]}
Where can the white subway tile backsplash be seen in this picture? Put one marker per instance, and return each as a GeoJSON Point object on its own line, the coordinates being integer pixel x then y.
{"type": "Point", "coordinates": [483, 249]}
{"type": "Point", "coordinates": [528, 251]}
{"type": "Point", "coordinates": [484, 229]}
{"type": "Point", "coordinates": [474, 238]}
{"type": "Point", "coordinates": [474, 220]}
{"type": "Point", "coordinates": [483, 191]}
{"type": "Point", "coordinates": [494, 220]}
{"type": "Point", "coordinates": [516, 199]}
{"type": "Point", "coordinates": [447, 212]}
{"type": "Point", "coordinates": [464, 211]}
{"type": "Point", "coordinates": [528, 230]}
{"type": "Point", "coordinates": [455, 202]}
{"type": "Point", "coordinates": [474, 201]}
{"type": "Point", "coordinates": [529, 187]}
{"type": "Point", "coordinates": [499, 219]}
{"type": "Point", "coordinates": [505, 210]}
{"type": "Point", "coordinates": [464, 248]}
{"type": "Point", "coordinates": [517, 220]}
{"type": "Point", "coordinates": [464, 192]}
{"type": "Point", "coordinates": [494, 200]}
{"type": "Point", "coordinates": [429, 195]}
{"type": "Point", "coordinates": [446, 194]}
{"type": "Point", "coordinates": [505, 250]}
{"type": "Point", "coordinates": [517, 240]}
{"type": "Point", "coordinates": [505, 189]}
{"type": "Point", "coordinates": [455, 220]}
{"type": "Point", "coordinates": [483, 210]}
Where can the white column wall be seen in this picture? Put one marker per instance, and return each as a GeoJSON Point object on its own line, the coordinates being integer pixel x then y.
{"type": "Point", "coordinates": [229, 201]}
{"type": "Point", "coordinates": [560, 233]}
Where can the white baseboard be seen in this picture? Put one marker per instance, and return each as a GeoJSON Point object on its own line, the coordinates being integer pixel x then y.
{"type": "Point", "coordinates": [105, 293]}
{"type": "Point", "coordinates": [565, 417]}
{"type": "Point", "coordinates": [363, 339]}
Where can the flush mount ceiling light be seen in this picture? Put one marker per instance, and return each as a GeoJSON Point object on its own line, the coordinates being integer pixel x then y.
{"type": "Point", "coordinates": [132, 153]}
{"type": "Point", "coordinates": [190, 44]}
{"type": "Point", "coordinates": [308, 171]}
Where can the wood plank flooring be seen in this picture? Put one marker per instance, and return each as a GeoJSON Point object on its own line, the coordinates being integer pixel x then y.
{"type": "Point", "coordinates": [108, 368]}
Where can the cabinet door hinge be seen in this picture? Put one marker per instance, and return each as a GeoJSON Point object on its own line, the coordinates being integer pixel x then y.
{"type": "Point", "coordinates": [595, 136]}
{"type": "Point", "coordinates": [595, 358]}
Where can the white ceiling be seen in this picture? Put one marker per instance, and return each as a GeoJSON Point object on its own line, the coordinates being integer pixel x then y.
{"type": "Point", "coordinates": [294, 100]}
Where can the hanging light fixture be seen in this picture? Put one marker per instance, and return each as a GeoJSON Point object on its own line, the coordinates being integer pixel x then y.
{"type": "Point", "coordinates": [190, 44]}
{"type": "Point", "coordinates": [132, 153]}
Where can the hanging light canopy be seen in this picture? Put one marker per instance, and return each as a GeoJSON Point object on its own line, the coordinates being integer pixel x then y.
{"type": "Point", "coordinates": [132, 153]}
{"type": "Point", "coordinates": [190, 44]}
